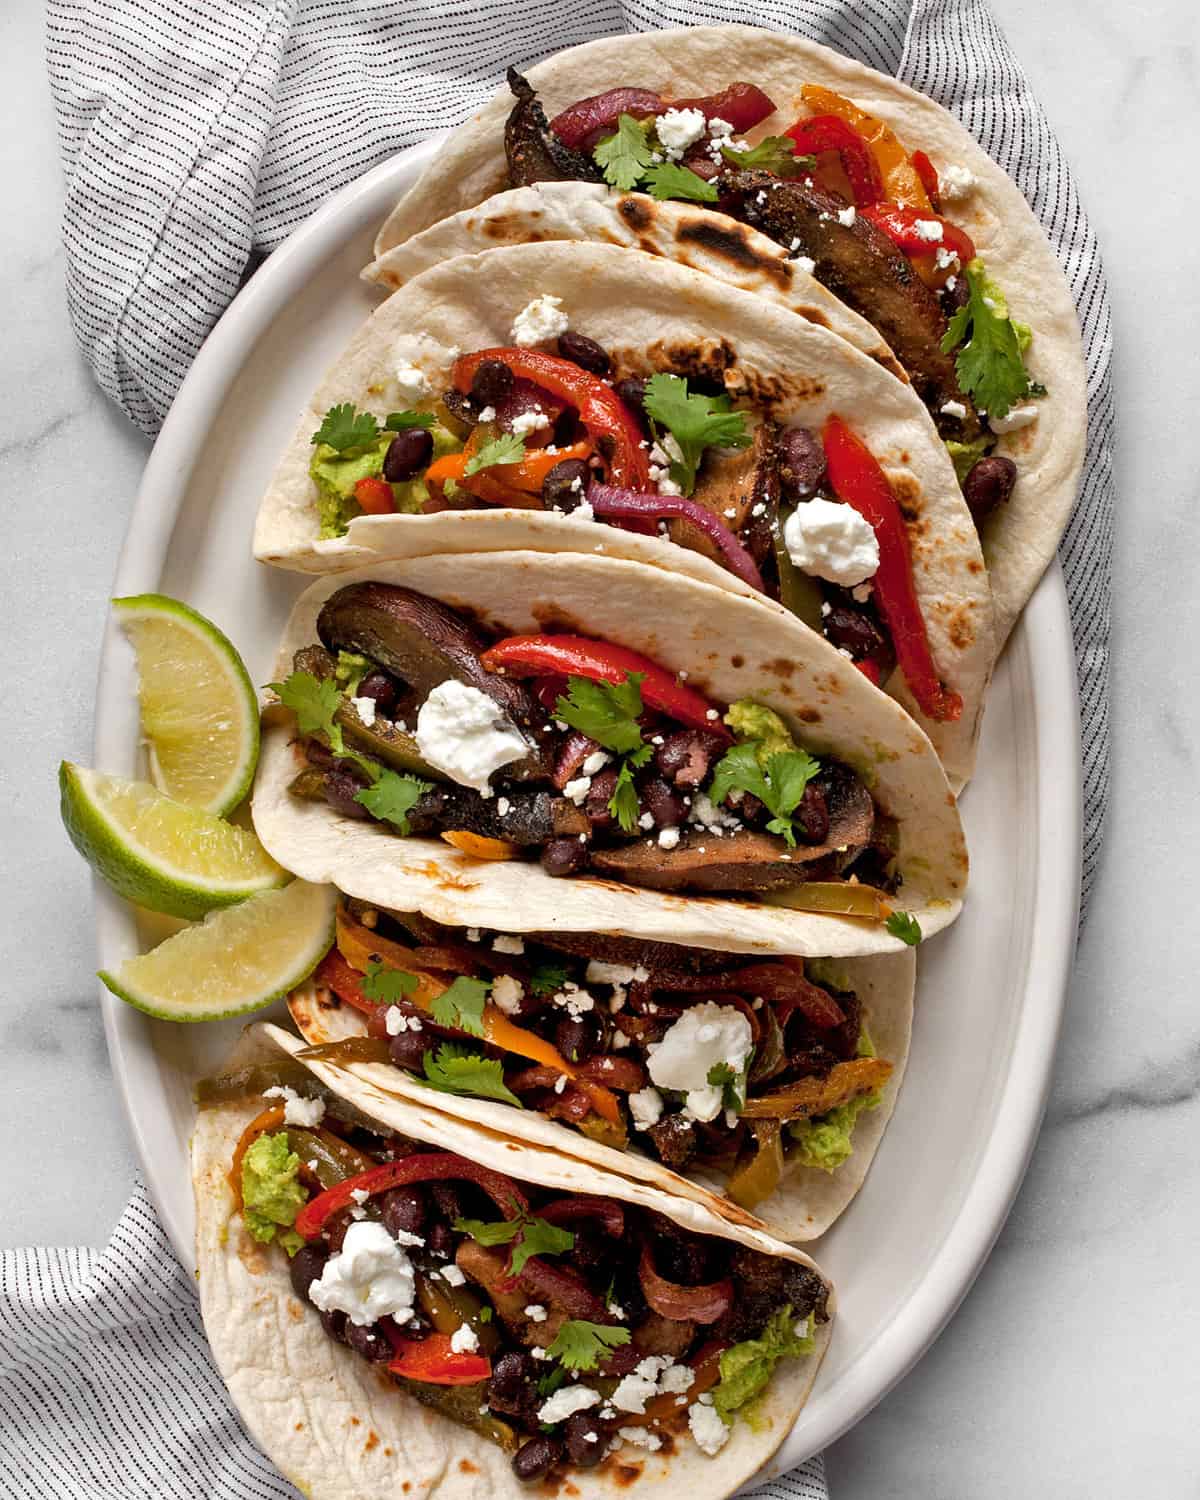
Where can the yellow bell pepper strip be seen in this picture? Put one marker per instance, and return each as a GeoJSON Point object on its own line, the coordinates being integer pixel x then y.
{"type": "Point", "coordinates": [901, 180]}
{"type": "Point", "coordinates": [759, 1178]}
{"type": "Point", "coordinates": [841, 898]}
{"type": "Point", "coordinates": [817, 1096]}
{"type": "Point", "coordinates": [480, 847]}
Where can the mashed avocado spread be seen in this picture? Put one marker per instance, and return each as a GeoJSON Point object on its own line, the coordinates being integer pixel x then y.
{"type": "Point", "coordinates": [746, 1368]}
{"type": "Point", "coordinates": [335, 474]}
{"type": "Point", "coordinates": [271, 1191]}
{"type": "Point", "coordinates": [751, 721]}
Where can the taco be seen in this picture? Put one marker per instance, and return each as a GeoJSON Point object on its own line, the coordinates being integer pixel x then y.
{"type": "Point", "coordinates": [397, 1299]}
{"type": "Point", "coordinates": [866, 186]}
{"type": "Point", "coordinates": [694, 1070]}
{"type": "Point", "coordinates": [676, 421]}
{"type": "Point", "coordinates": [522, 741]}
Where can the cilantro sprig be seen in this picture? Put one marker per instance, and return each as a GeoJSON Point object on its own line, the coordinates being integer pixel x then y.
{"type": "Point", "coordinates": [777, 153]}
{"type": "Point", "coordinates": [626, 159]}
{"type": "Point", "coordinates": [546, 978]}
{"type": "Point", "coordinates": [580, 1345]}
{"type": "Point", "coordinates": [347, 430]}
{"type": "Point", "coordinates": [779, 787]}
{"type": "Point", "coordinates": [989, 364]}
{"type": "Point", "coordinates": [903, 925]}
{"type": "Point", "coordinates": [315, 702]}
{"type": "Point", "coordinates": [608, 712]}
{"type": "Point", "coordinates": [669, 180]}
{"type": "Point", "coordinates": [508, 448]}
{"type": "Point", "coordinates": [461, 1006]}
{"type": "Point", "coordinates": [455, 1069]}
{"type": "Point", "coordinates": [695, 422]}
{"type": "Point", "coordinates": [527, 1234]}
{"type": "Point", "coordinates": [732, 1084]}
{"type": "Point", "coordinates": [386, 986]}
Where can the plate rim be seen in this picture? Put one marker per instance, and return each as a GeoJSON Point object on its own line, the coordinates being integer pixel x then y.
{"type": "Point", "coordinates": [1043, 633]}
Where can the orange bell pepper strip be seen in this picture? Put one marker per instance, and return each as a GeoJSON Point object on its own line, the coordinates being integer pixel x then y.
{"type": "Point", "coordinates": [516, 485]}
{"type": "Point", "coordinates": [901, 180]}
{"type": "Point", "coordinates": [375, 497]}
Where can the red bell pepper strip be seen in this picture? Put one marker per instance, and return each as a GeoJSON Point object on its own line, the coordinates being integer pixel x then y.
{"type": "Point", "coordinates": [577, 656]}
{"type": "Point", "coordinates": [927, 172]}
{"type": "Point", "coordinates": [334, 973]}
{"type": "Point", "coordinates": [600, 409]}
{"type": "Point", "coordinates": [432, 1361]}
{"type": "Point", "coordinates": [829, 133]}
{"type": "Point", "coordinates": [429, 1166]}
{"type": "Point", "coordinates": [599, 112]}
{"type": "Point", "coordinates": [375, 496]}
{"type": "Point", "coordinates": [742, 105]}
{"type": "Point", "coordinates": [856, 478]}
{"type": "Point", "coordinates": [899, 223]}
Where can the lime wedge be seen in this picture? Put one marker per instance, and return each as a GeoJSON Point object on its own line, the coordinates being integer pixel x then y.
{"type": "Point", "coordinates": [157, 852]}
{"type": "Point", "coordinates": [234, 961]}
{"type": "Point", "coordinates": [199, 707]}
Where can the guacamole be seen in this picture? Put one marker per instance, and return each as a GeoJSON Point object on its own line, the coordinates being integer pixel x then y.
{"type": "Point", "coordinates": [271, 1191]}
{"type": "Point", "coordinates": [751, 721]}
{"type": "Point", "coordinates": [335, 474]}
{"type": "Point", "coordinates": [826, 1141]}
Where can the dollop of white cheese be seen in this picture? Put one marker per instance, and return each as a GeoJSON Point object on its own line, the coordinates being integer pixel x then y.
{"type": "Point", "coordinates": [678, 129]}
{"type": "Point", "coordinates": [462, 732]}
{"type": "Point", "coordinates": [953, 409]}
{"type": "Point", "coordinates": [566, 1402]}
{"type": "Point", "coordinates": [539, 320]}
{"type": "Point", "coordinates": [464, 1339]}
{"type": "Point", "coordinates": [507, 993]}
{"type": "Point", "coordinates": [365, 708]}
{"type": "Point", "coordinates": [529, 421]}
{"type": "Point", "coordinates": [646, 1107]}
{"type": "Point", "coordinates": [709, 1431]}
{"type": "Point", "coordinates": [954, 182]}
{"type": "Point", "coordinates": [297, 1110]}
{"type": "Point", "coordinates": [370, 1278]}
{"type": "Point", "coordinates": [1018, 416]}
{"type": "Point", "coordinates": [505, 944]}
{"type": "Point", "coordinates": [929, 230]}
{"type": "Point", "coordinates": [704, 1037]}
{"type": "Point", "coordinates": [846, 216]}
{"type": "Point", "coordinates": [832, 541]}
{"type": "Point", "coordinates": [412, 383]}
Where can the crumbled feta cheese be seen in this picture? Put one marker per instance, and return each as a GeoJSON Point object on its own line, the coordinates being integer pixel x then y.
{"type": "Point", "coordinates": [929, 230]}
{"type": "Point", "coordinates": [473, 934]}
{"type": "Point", "coordinates": [640, 1437]}
{"type": "Point", "coordinates": [506, 944]}
{"type": "Point", "coordinates": [953, 409]}
{"type": "Point", "coordinates": [529, 421]}
{"type": "Point", "coordinates": [1018, 416]}
{"type": "Point", "coordinates": [678, 129]}
{"type": "Point", "coordinates": [832, 541]}
{"type": "Point", "coordinates": [536, 1313]}
{"type": "Point", "coordinates": [584, 512]}
{"type": "Point", "coordinates": [574, 1000]}
{"type": "Point", "coordinates": [507, 993]}
{"type": "Point", "coordinates": [704, 1037]}
{"type": "Point", "coordinates": [709, 1431]}
{"type": "Point", "coordinates": [577, 484]}
{"type": "Point", "coordinates": [297, 1111]}
{"type": "Point", "coordinates": [537, 1353]}
{"type": "Point", "coordinates": [713, 819]}
{"type": "Point", "coordinates": [365, 709]}
{"type": "Point", "coordinates": [954, 182]}
{"type": "Point", "coordinates": [395, 1021]}
{"type": "Point", "coordinates": [560, 1084]}
{"type": "Point", "coordinates": [676, 1379]}
{"type": "Point", "coordinates": [359, 1195]}
{"type": "Point", "coordinates": [538, 321]}
{"type": "Point", "coordinates": [488, 414]}
{"type": "Point", "coordinates": [720, 130]}
{"type": "Point", "coordinates": [633, 1392]}
{"type": "Point", "coordinates": [411, 382]}
{"type": "Point", "coordinates": [463, 732]}
{"type": "Point", "coordinates": [464, 1339]}
{"type": "Point", "coordinates": [846, 216]}
{"type": "Point", "coordinates": [646, 822]}
{"type": "Point", "coordinates": [804, 263]}
{"type": "Point", "coordinates": [617, 1311]}
{"type": "Point", "coordinates": [566, 1401]}
{"type": "Point", "coordinates": [452, 1276]}
{"type": "Point", "coordinates": [595, 762]}
{"type": "Point", "coordinates": [646, 1107]}
{"type": "Point", "coordinates": [503, 807]}
{"type": "Point", "coordinates": [370, 1278]}
{"type": "Point", "coordinates": [944, 257]}
{"type": "Point", "coordinates": [578, 789]}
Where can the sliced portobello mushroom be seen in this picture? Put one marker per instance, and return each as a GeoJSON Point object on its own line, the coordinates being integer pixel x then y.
{"type": "Point", "coordinates": [531, 820]}
{"type": "Point", "coordinates": [533, 152]}
{"type": "Point", "coordinates": [730, 483]}
{"type": "Point", "coordinates": [423, 643]}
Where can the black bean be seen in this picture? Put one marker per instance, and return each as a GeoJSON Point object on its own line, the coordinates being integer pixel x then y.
{"type": "Point", "coordinates": [403, 1210]}
{"type": "Point", "coordinates": [306, 1267]}
{"type": "Point", "coordinates": [369, 1342]}
{"type": "Point", "coordinates": [334, 1324]}
{"type": "Point", "coordinates": [988, 485]}
{"type": "Point", "coordinates": [511, 1388]}
{"type": "Point", "coordinates": [491, 383]}
{"type": "Point", "coordinates": [577, 1037]}
{"type": "Point", "coordinates": [664, 806]}
{"type": "Point", "coordinates": [440, 1240]}
{"type": "Point", "coordinates": [559, 490]}
{"type": "Point", "coordinates": [585, 1436]}
{"type": "Point", "coordinates": [584, 352]}
{"type": "Point", "coordinates": [564, 856]}
{"type": "Point", "coordinates": [595, 804]}
{"type": "Point", "coordinates": [381, 689]}
{"type": "Point", "coordinates": [812, 816]}
{"type": "Point", "coordinates": [342, 787]}
{"type": "Point", "coordinates": [801, 462]}
{"type": "Point", "coordinates": [407, 1049]}
{"type": "Point", "coordinates": [408, 453]}
{"type": "Point", "coordinates": [632, 392]}
{"type": "Point", "coordinates": [684, 757]}
{"type": "Point", "coordinates": [448, 1200]}
{"type": "Point", "coordinates": [534, 1460]}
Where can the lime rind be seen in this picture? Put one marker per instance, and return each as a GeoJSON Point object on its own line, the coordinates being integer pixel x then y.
{"type": "Point", "coordinates": [237, 960]}
{"type": "Point", "coordinates": [122, 852]}
{"type": "Point", "coordinates": [184, 745]}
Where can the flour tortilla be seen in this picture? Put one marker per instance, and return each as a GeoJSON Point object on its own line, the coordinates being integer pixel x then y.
{"type": "Point", "coordinates": [340, 1432]}
{"type": "Point", "coordinates": [650, 313]}
{"type": "Point", "coordinates": [807, 1200]}
{"type": "Point", "coordinates": [731, 647]}
{"type": "Point", "coordinates": [1020, 539]}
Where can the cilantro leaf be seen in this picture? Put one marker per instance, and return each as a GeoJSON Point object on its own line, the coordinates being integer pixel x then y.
{"type": "Point", "coordinates": [454, 1069]}
{"type": "Point", "coordinates": [508, 448]}
{"type": "Point", "coordinates": [550, 1382]}
{"type": "Point", "coordinates": [623, 157]}
{"type": "Point", "coordinates": [695, 422]}
{"type": "Point", "coordinates": [607, 712]}
{"type": "Point", "coordinates": [669, 180]}
{"type": "Point", "coordinates": [989, 363]}
{"type": "Point", "coordinates": [732, 1083]}
{"type": "Point", "coordinates": [536, 1237]}
{"type": "Point", "coordinates": [392, 797]}
{"type": "Point", "coordinates": [903, 925]}
{"type": "Point", "coordinates": [400, 421]}
{"type": "Point", "coordinates": [314, 701]}
{"type": "Point", "coordinates": [344, 428]}
{"type": "Point", "coordinates": [580, 1345]}
{"type": "Point", "coordinates": [623, 804]}
{"type": "Point", "coordinates": [387, 985]}
{"type": "Point", "coordinates": [780, 787]}
{"type": "Point", "coordinates": [546, 978]}
{"type": "Point", "coordinates": [777, 153]}
{"type": "Point", "coordinates": [461, 1005]}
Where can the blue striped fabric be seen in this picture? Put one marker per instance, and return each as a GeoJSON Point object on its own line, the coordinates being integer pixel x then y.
{"type": "Point", "coordinates": [194, 139]}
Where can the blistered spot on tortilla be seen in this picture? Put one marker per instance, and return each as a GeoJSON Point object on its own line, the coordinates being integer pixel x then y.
{"type": "Point", "coordinates": [465, 1466]}
{"type": "Point", "coordinates": [908, 495]}
{"type": "Point", "coordinates": [814, 315]}
{"type": "Point", "coordinates": [636, 212]}
{"type": "Point", "coordinates": [406, 1486]}
{"type": "Point", "coordinates": [648, 246]}
{"type": "Point", "coordinates": [356, 1421]}
{"type": "Point", "coordinates": [553, 619]}
{"type": "Point", "coordinates": [627, 1474]}
{"type": "Point", "coordinates": [828, 684]}
{"type": "Point", "coordinates": [737, 660]}
{"type": "Point", "coordinates": [388, 1451]}
{"type": "Point", "coordinates": [299, 1427]}
{"type": "Point", "coordinates": [961, 628]}
{"type": "Point", "coordinates": [780, 666]}
{"type": "Point", "coordinates": [571, 1489]}
{"type": "Point", "coordinates": [728, 240]}
{"type": "Point", "coordinates": [294, 1310]}
{"type": "Point", "coordinates": [699, 360]}
{"type": "Point", "coordinates": [252, 1255]}
{"type": "Point", "coordinates": [372, 1442]}
{"type": "Point", "coordinates": [328, 1000]}
{"type": "Point", "coordinates": [974, 566]}
{"type": "Point", "coordinates": [808, 716]}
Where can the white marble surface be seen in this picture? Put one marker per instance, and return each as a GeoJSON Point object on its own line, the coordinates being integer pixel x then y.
{"type": "Point", "coordinates": [1070, 1370]}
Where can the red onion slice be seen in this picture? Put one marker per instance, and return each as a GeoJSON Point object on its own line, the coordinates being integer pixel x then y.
{"type": "Point", "coordinates": [604, 1211]}
{"type": "Point", "coordinates": [621, 505]}
{"type": "Point", "coordinates": [697, 1304]}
